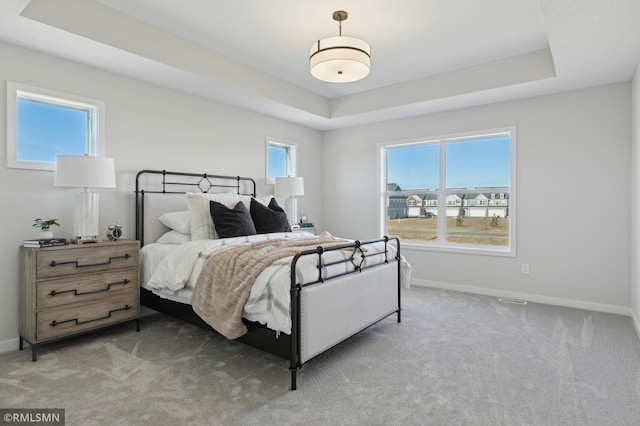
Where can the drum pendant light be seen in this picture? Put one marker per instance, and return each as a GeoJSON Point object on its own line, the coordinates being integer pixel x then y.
{"type": "Point", "coordinates": [340, 59]}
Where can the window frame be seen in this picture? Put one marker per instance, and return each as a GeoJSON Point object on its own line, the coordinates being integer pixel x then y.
{"type": "Point", "coordinates": [16, 91]}
{"type": "Point", "coordinates": [292, 161]}
{"type": "Point", "coordinates": [442, 192]}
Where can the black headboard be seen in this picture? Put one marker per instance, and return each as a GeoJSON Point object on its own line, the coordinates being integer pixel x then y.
{"type": "Point", "coordinates": [161, 182]}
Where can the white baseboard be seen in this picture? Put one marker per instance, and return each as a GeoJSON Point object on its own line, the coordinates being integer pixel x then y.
{"type": "Point", "coordinates": [10, 345]}
{"type": "Point", "coordinates": [570, 303]}
{"type": "Point", "coordinates": [636, 323]}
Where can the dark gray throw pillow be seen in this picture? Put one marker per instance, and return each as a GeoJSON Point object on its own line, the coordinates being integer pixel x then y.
{"type": "Point", "coordinates": [270, 218]}
{"type": "Point", "coordinates": [233, 222]}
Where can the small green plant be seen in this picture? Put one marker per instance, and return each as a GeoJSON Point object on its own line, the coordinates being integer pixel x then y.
{"type": "Point", "coordinates": [45, 225]}
{"type": "Point", "coordinates": [495, 221]}
{"type": "Point", "coordinates": [459, 220]}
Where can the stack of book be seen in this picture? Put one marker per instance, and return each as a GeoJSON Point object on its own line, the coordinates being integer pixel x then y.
{"type": "Point", "coordinates": [46, 242]}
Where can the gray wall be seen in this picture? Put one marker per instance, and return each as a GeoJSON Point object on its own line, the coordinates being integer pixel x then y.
{"type": "Point", "coordinates": [635, 197]}
{"type": "Point", "coordinates": [572, 159]}
{"type": "Point", "coordinates": [147, 127]}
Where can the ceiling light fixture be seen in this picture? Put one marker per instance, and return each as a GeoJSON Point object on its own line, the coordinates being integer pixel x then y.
{"type": "Point", "coordinates": [340, 59]}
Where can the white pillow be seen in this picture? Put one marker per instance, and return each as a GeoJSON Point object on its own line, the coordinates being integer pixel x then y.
{"type": "Point", "coordinates": [178, 221]}
{"type": "Point", "coordinates": [174, 237]}
{"type": "Point", "coordinates": [246, 199]}
{"type": "Point", "coordinates": [202, 227]}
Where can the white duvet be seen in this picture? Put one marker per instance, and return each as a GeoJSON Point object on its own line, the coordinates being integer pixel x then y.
{"type": "Point", "coordinates": [171, 271]}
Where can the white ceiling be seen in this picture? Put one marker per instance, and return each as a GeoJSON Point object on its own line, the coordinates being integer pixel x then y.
{"type": "Point", "coordinates": [427, 55]}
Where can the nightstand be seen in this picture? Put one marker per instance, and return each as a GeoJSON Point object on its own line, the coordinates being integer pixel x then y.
{"type": "Point", "coordinates": [313, 229]}
{"type": "Point", "coordinates": [73, 289]}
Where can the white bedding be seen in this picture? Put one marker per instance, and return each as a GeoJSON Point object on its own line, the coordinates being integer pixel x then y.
{"type": "Point", "coordinates": [171, 271]}
{"type": "Point", "coordinates": [175, 278]}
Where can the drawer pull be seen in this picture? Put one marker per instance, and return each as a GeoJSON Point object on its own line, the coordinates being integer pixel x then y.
{"type": "Point", "coordinates": [53, 263]}
{"type": "Point", "coordinates": [54, 322]}
{"type": "Point", "coordinates": [77, 293]}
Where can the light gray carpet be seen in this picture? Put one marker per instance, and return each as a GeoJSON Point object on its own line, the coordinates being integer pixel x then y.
{"type": "Point", "coordinates": [455, 359]}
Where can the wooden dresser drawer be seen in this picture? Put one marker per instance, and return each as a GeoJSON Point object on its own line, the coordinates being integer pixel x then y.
{"type": "Point", "coordinates": [71, 289]}
{"type": "Point", "coordinates": [68, 320]}
{"type": "Point", "coordinates": [86, 289]}
{"type": "Point", "coordinates": [76, 260]}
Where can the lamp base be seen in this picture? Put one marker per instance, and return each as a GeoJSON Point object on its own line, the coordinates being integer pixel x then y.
{"type": "Point", "coordinates": [292, 210]}
{"type": "Point", "coordinates": [85, 215]}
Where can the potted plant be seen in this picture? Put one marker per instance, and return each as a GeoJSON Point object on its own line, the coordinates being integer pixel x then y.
{"type": "Point", "coordinates": [45, 226]}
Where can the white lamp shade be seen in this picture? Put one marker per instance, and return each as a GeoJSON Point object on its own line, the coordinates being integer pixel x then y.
{"type": "Point", "coordinates": [340, 59]}
{"type": "Point", "coordinates": [288, 186]}
{"type": "Point", "coordinates": [85, 171]}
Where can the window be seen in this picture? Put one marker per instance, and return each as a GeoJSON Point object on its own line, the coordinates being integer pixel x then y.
{"type": "Point", "coordinates": [458, 177]}
{"type": "Point", "coordinates": [281, 159]}
{"type": "Point", "coordinates": [42, 124]}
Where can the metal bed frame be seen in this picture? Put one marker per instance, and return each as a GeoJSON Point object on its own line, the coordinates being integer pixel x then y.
{"type": "Point", "coordinates": [258, 335]}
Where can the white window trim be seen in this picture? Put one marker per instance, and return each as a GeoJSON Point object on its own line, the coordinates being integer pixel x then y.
{"type": "Point", "coordinates": [509, 251]}
{"type": "Point", "coordinates": [56, 97]}
{"type": "Point", "coordinates": [293, 159]}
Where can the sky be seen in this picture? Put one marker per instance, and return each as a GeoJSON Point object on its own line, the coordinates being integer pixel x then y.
{"type": "Point", "coordinates": [469, 164]}
{"type": "Point", "coordinates": [277, 161]}
{"type": "Point", "coordinates": [45, 130]}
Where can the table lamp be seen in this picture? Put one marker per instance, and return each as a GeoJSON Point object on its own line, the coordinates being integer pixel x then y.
{"type": "Point", "coordinates": [290, 186]}
{"type": "Point", "coordinates": [86, 172]}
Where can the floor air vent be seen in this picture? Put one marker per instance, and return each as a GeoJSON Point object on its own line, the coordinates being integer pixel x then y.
{"type": "Point", "coordinates": [515, 301]}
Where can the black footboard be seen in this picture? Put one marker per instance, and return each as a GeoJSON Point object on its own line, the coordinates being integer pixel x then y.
{"type": "Point", "coordinates": [361, 251]}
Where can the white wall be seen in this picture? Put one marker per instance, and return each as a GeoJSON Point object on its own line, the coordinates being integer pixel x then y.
{"type": "Point", "coordinates": [575, 144]}
{"type": "Point", "coordinates": [572, 153]}
{"type": "Point", "coordinates": [635, 200]}
{"type": "Point", "coordinates": [147, 127]}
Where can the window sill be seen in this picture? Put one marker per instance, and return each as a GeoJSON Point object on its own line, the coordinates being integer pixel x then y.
{"type": "Point", "coordinates": [475, 250]}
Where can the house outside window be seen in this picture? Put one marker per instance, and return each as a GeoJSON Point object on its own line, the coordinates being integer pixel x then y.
{"type": "Point", "coordinates": [42, 123]}
{"type": "Point", "coordinates": [281, 159]}
{"type": "Point", "coordinates": [469, 182]}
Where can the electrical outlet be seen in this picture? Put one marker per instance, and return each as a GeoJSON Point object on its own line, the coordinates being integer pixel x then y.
{"type": "Point", "coordinates": [525, 268]}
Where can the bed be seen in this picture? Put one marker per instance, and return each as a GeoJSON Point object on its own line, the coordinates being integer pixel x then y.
{"type": "Point", "coordinates": [216, 255]}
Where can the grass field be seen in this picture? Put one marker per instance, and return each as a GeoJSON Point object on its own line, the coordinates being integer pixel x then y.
{"type": "Point", "coordinates": [473, 230]}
